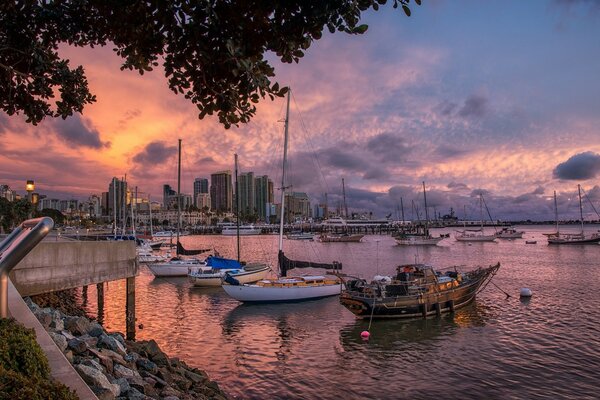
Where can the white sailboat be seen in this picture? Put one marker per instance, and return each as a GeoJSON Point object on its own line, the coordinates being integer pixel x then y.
{"type": "Point", "coordinates": [176, 266]}
{"type": "Point", "coordinates": [286, 289]}
{"type": "Point", "coordinates": [476, 235]}
{"type": "Point", "coordinates": [575, 238]}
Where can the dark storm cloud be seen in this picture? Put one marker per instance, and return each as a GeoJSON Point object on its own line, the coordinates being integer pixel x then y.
{"type": "Point", "coordinates": [446, 108]}
{"type": "Point", "coordinates": [376, 173]}
{"type": "Point", "coordinates": [474, 106]}
{"type": "Point", "coordinates": [538, 190]}
{"type": "Point", "coordinates": [154, 153]}
{"type": "Point", "coordinates": [579, 167]}
{"type": "Point", "coordinates": [447, 151]}
{"type": "Point", "coordinates": [477, 192]}
{"type": "Point", "coordinates": [74, 131]}
{"type": "Point", "coordinates": [388, 146]}
{"type": "Point", "coordinates": [457, 186]}
{"type": "Point", "coordinates": [337, 158]}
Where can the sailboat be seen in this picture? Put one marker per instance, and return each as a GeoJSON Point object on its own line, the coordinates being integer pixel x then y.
{"type": "Point", "coordinates": [177, 266]}
{"type": "Point", "coordinates": [219, 266]}
{"type": "Point", "coordinates": [575, 238]}
{"type": "Point", "coordinates": [424, 239]}
{"type": "Point", "coordinates": [329, 237]}
{"type": "Point", "coordinates": [475, 235]}
{"type": "Point", "coordinates": [286, 289]}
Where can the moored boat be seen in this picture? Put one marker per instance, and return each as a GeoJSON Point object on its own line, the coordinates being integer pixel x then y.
{"type": "Point", "coordinates": [219, 267]}
{"type": "Point", "coordinates": [337, 238]}
{"type": "Point", "coordinates": [509, 233]}
{"type": "Point", "coordinates": [300, 236]}
{"type": "Point", "coordinates": [417, 290]}
{"type": "Point", "coordinates": [572, 238]}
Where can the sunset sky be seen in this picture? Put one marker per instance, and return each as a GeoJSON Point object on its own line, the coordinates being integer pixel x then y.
{"type": "Point", "coordinates": [497, 96]}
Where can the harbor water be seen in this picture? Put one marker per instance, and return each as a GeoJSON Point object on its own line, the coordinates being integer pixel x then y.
{"type": "Point", "coordinates": [498, 347]}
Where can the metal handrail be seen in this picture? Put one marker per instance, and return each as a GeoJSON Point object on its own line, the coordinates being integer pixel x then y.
{"type": "Point", "coordinates": [15, 247]}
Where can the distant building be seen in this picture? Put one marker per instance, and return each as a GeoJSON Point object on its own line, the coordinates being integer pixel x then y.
{"type": "Point", "coordinates": [320, 211]}
{"type": "Point", "coordinates": [117, 197]}
{"type": "Point", "coordinates": [200, 186]}
{"type": "Point", "coordinates": [169, 197]}
{"type": "Point", "coordinates": [263, 197]}
{"type": "Point", "coordinates": [7, 193]}
{"type": "Point", "coordinates": [94, 207]}
{"type": "Point", "coordinates": [53, 204]}
{"type": "Point", "coordinates": [297, 206]}
{"type": "Point", "coordinates": [246, 192]}
{"type": "Point", "coordinates": [104, 203]}
{"type": "Point", "coordinates": [221, 191]}
{"type": "Point", "coordinates": [203, 200]}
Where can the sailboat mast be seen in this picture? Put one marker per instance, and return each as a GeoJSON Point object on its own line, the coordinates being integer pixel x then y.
{"type": "Point", "coordinates": [150, 208]}
{"type": "Point", "coordinates": [115, 181]}
{"type": "Point", "coordinates": [426, 212]}
{"type": "Point", "coordinates": [344, 197]}
{"type": "Point", "coordinates": [481, 210]}
{"type": "Point", "coordinates": [556, 212]}
{"type": "Point", "coordinates": [285, 145]}
{"type": "Point", "coordinates": [178, 195]}
{"type": "Point", "coordinates": [237, 207]}
{"type": "Point", "coordinates": [580, 208]}
{"type": "Point", "coordinates": [402, 209]}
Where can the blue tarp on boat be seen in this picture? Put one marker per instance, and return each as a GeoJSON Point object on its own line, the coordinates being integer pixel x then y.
{"type": "Point", "coordinates": [222, 263]}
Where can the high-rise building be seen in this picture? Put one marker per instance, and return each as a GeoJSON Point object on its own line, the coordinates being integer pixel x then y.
{"type": "Point", "coordinates": [262, 199]}
{"type": "Point", "coordinates": [297, 206]}
{"type": "Point", "coordinates": [117, 197]}
{"type": "Point", "coordinates": [202, 201]}
{"type": "Point", "coordinates": [221, 191]}
{"type": "Point", "coordinates": [7, 192]}
{"type": "Point", "coordinates": [200, 186]}
{"type": "Point", "coordinates": [245, 193]}
{"type": "Point", "coordinates": [169, 196]}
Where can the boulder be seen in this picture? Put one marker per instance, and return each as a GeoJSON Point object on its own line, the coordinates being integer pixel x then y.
{"type": "Point", "coordinates": [120, 371]}
{"type": "Point", "coordinates": [89, 340]}
{"type": "Point", "coordinates": [77, 325]}
{"type": "Point", "coordinates": [196, 378]}
{"type": "Point", "coordinates": [131, 357]}
{"type": "Point", "coordinates": [94, 377]}
{"type": "Point", "coordinates": [67, 335]}
{"type": "Point", "coordinates": [134, 394]}
{"type": "Point", "coordinates": [123, 384]}
{"type": "Point", "coordinates": [78, 346]}
{"type": "Point", "coordinates": [109, 342]}
{"type": "Point", "coordinates": [165, 375]}
{"type": "Point", "coordinates": [136, 382]}
{"type": "Point", "coordinates": [44, 317]}
{"type": "Point", "coordinates": [59, 340]}
{"type": "Point", "coordinates": [102, 393]}
{"type": "Point", "coordinates": [170, 392]}
{"type": "Point", "coordinates": [95, 329]}
{"type": "Point", "coordinates": [90, 362]}
{"type": "Point", "coordinates": [147, 365]}
{"type": "Point", "coordinates": [32, 306]}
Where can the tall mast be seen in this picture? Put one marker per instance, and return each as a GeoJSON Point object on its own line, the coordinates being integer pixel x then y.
{"type": "Point", "coordinates": [556, 212]}
{"type": "Point", "coordinates": [150, 208]}
{"type": "Point", "coordinates": [115, 180]}
{"type": "Point", "coordinates": [426, 212]}
{"type": "Point", "coordinates": [285, 145]}
{"type": "Point", "coordinates": [402, 209]}
{"type": "Point", "coordinates": [580, 208]}
{"type": "Point", "coordinates": [481, 210]}
{"type": "Point", "coordinates": [123, 203]}
{"type": "Point", "coordinates": [237, 207]}
{"type": "Point", "coordinates": [344, 197]}
{"type": "Point", "coordinates": [178, 195]}
{"type": "Point", "coordinates": [133, 213]}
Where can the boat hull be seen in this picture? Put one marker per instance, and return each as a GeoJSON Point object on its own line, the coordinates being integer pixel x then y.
{"type": "Point", "coordinates": [263, 294]}
{"type": "Point", "coordinates": [341, 239]}
{"type": "Point", "coordinates": [216, 279]}
{"type": "Point", "coordinates": [172, 269]}
{"type": "Point", "coordinates": [594, 240]}
{"type": "Point", "coordinates": [480, 238]}
{"type": "Point", "coordinates": [416, 305]}
{"type": "Point", "coordinates": [419, 241]}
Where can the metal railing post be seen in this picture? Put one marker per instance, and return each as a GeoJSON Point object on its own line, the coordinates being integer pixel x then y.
{"type": "Point", "coordinates": [15, 247]}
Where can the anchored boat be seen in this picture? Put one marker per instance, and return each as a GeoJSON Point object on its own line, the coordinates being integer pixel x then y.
{"type": "Point", "coordinates": [417, 290]}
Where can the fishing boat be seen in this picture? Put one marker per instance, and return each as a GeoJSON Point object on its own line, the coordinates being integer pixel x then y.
{"type": "Point", "coordinates": [283, 288]}
{"type": "Point", "coordinates": [219, 267]}
{"type": "Point", "coordinates": [475, 235]}
{"type": "Point", "coordinates": [423, 239]}
{"type": "Point", "coordinates": [417, 290]}
{"type": "Point", "coordinates": [178, 266]}
{"type": "Point", "coordinates": [572, 238]}
{"type": "Point", "coordinates": [509, 233]}
{"type": "Point", "coordinates": [340, 237]}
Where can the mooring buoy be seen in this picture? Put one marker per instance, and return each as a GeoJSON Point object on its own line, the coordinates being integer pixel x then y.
{"type": "Point", "coordinates": [526, 292]}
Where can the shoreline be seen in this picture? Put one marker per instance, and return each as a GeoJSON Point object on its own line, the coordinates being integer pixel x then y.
{"type": "Point", "coordinates": [115, 368]}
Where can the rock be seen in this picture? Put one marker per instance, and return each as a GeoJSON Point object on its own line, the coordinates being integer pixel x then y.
{"type": "Point", "coordinates": [102, 393]}
{"type": "Point", "coordinates": [131, 357]}
{"type": "Point", "coordinates": [118, 337]}
{"type": "Point", "coordinates": [95, 329]}
{"type": "Point", "coordinates": [77, 325]}
{"type": "Point", "coordinates": [69, 356]}
{"type": "Point", "coordinates": [90, 362]}
{"type": "Point", "coordinates": [165, 375]}
{"type": "Point", "coordinates": [78, 346]}
{"type": "Point", "coordinates": [196, 378]}
{"type": "Point", "coordinates": [67, 335]}
{"type": "Point", "coordinates": [59, 340]}
{"type": "Point", "coordinates": [123, 384]}
{"type": "Point", "coordinates": [44, 318]}
{"type": "Point", "coordinates": [109, 342]}
{"type": "Point", "coordinates": [151, 348]}
{"type": "Point", "coordinates": [89, 340]}
{"type": "Point", "coordinates": [104, 359]}
{"type": "Point", "coordinates": [94, 377]}
{"type": "Point", "coordinates": [147, 365]}
{"type": "Point", "coordinates": [158, 383]}
{"type": "Point", "coordinates": [134, 394]}
{"type": "Point", "coordinates": [170, 392]}
{"type": "Point", "coordinates": [32, 306]}
{"type": "Point", "coordinates": [171, 398]}
{"type": "Point", "coordinates": [136, 382]}
{"type": "Point", "coordinates": [120, 371]}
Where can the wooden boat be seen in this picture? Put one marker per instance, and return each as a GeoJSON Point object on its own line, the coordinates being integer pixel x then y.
{"type": "Point", "coordinates": [475, 235]}
{"type": "Point", "coordinates": [509, 233]}
{"type": "Point", "coordinates": [417, 290]}
{"type": "Point", "coordinates": [283, 288]}
{"type": "Point", "coordinates": [420, 239]}
{"type": "Point", "coordinates": [337, 238]}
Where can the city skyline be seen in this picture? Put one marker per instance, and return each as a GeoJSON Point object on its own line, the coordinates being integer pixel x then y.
{"type": "Point", "coordinates": [499, 98]}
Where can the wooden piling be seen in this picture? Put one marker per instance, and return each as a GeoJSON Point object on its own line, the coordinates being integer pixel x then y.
{"type": "Point", "coordinates": [130, 309]}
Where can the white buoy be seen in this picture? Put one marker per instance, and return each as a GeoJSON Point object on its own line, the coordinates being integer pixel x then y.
{"type": "Point", "coordinates": [526, 292]}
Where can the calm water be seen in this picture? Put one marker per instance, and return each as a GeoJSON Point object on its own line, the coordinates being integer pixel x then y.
{"type": "Point", "coordinates": [547, 347]}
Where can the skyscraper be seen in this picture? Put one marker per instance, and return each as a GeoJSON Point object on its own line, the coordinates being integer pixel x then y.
{"type": "Point", "coordinates": [221, 191]}
{"type": "Point", "coordinates": [200, 186]}
{"type": "Point", "coordinates": [246, 194]}
{"type": "Point", "coordinates": [117, 197]}
{"type": "Point", "coordinates": [169, 196]}
{"type": "Point", "coordinates": [261, 199]}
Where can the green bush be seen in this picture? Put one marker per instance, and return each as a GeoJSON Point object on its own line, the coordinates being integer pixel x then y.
{"type": "Point", "coordinates": [24, 369]}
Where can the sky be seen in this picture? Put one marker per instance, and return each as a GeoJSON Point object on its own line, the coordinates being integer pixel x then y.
{"type": "Point", "coordinates": [500, 98]}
